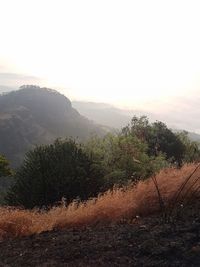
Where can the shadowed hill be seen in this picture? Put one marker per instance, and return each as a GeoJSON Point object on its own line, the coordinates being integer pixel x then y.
{"type": "Point", "coordinates": [34, 115]}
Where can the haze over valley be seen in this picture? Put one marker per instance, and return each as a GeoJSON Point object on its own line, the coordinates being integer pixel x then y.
{"type": "Point", "coordinates": [142, 61]}
{"type": "Point", "coordinates": [32, 116]}
{"type": "Point", "coordinates": [99, 133]}
{"type": "Point", "coordinates": [180, 113]}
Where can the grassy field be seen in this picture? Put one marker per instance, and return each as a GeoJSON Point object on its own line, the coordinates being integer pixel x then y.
{"type": "Point", "coordinates": [170, 191]}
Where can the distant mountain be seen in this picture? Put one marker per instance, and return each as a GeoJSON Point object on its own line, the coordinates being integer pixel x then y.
{"type": "Point", "coordinates": [34, 115]}
{"type": "Point", "coordinates": [4, 89]}
{"type": "Point", "coordinates": [109, 115]}
{"type": "Point", "coordinates": [106, 114]}
{"type": "Point", "coordinates": [194, 136]}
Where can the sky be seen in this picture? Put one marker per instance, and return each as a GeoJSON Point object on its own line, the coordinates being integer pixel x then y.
{"type": "Point", "coordinates": [128, 53]}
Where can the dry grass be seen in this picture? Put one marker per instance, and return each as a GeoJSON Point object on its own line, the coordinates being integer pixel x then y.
{"type": "Point", "coordinates": [112, 206]}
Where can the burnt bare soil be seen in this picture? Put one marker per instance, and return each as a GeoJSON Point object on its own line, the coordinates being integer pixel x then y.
{"type": "Point", "coordinates": [148, 242]}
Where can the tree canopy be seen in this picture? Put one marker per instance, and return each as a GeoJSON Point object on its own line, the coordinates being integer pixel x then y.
{"type": "Point", "coordinates": [123, 158]}
{"type": "Point", "coordinates": [51, 172]}
{"type": "Point", "coordinates": [71, 170]}
{"type": "Point", "coordinates": [4, 167]}
{"type": "Point", "coordinates": [158, 137]}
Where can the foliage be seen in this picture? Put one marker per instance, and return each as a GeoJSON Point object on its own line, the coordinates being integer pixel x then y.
{"type": "Point", "coordinates": [65, 169]}
{"type": "Point", "coordinates": [51, 172]}
{"type": "Point", "coordinates": [123, 158]}
{"type": "Point", "coordinates": [192, 151]}
{"type": "Point", "coordinates": [112, 206]}
{"type": "Point", "coordinates": [140, 150]}
{"type": "Point", "coordinates": [158, 137]}
{"type": "Point", "coordinates": [5, 184]}
{"type": "Point", "coordinates": [5, 181]}
{"type": "Point", "coordinates": [34, 115]}
{"type": "Point", "coordinates": [4, 167]}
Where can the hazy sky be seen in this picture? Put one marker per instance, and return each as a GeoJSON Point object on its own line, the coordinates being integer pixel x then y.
{"type": "Point", "coordinates": [122, 52]}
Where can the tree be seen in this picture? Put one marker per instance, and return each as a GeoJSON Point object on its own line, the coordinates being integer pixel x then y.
{"type": "Point", "coordinates": [123, 158]}
{"type": "Point", "coordinates": [158, 137]}
{"type": "Point", "coordinates": [4, 167]}
{"type": "Point", "coordinates": [192, 151]}
{"type": "Point", "coordinates": [51, 172]}
{"type": "Point", "coordinates": [162, 139]}
{"type": "Point", "coordinates": [139, 127]}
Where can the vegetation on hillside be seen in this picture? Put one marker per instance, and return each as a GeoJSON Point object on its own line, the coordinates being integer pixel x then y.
{"type": "Point", "coordinates": [5, 177]}
{"type": "Point", "coordinates": [159, 137]}
{"type": "Point", "coordinates": [123, 158]}
{"type": "Point", "coordinates": [5, 169]}
{"type": "Point", "coordinates": [134, 172]}
{"type": "Point", "coordinates": [125, 203]}
{"type": "Point", "coordinates": [33, 116]}
{"type": "Point", "coordinates": [52, 172]}
{"type": "Point", "coordinates": [68, 170]}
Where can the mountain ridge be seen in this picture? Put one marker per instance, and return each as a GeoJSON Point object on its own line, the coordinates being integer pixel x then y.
{"type": "Point", "coordinates": [32, 116]}
{"type": "Point", "coordinates": [109, 115]}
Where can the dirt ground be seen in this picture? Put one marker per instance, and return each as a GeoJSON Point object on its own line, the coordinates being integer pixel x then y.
{"type": "Point", "coordinates": [146, 243]}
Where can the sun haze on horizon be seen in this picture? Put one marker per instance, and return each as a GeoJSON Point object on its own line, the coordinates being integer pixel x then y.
{"type": "Point", "coordinates": [119, 52]}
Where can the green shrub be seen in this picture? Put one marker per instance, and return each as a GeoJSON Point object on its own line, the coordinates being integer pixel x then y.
{"type": "Point", "coordinates": [51, 172]}
{"type": "Point", "coordinates": [4, 167]}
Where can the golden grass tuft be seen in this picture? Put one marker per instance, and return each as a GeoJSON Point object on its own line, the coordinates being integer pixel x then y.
{"type": "Point", "coordinates": [112, 206]}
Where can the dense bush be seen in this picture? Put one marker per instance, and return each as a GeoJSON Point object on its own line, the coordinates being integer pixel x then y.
{"type": "Point", "coordinates": [140, 150]}
{"type": "Point", "coordinates": [192, 152]}
{"type": "Point", "coordinates": [65, 169]}
{"type": "Point", "coordinates": [4, 167]}
{"type": "Point", "coordinates": [123, 158]}
{"type": "Point", "coordinates": [51, 172]}
{"type": "Point", "coordinates": [158, 137]}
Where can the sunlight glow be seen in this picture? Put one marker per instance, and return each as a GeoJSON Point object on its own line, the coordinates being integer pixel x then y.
{"type": "Point", "coordinates": [122, 52]}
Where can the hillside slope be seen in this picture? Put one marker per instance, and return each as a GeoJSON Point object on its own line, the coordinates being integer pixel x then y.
{"type": "Point", "coordinates": [108, 115]}
{"type": "Point", "coordinates": [111, 116]}
{"type": "Point", "coordinates": [34, 115]}
{"type": "Point", "coordinates": [123, 227]}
